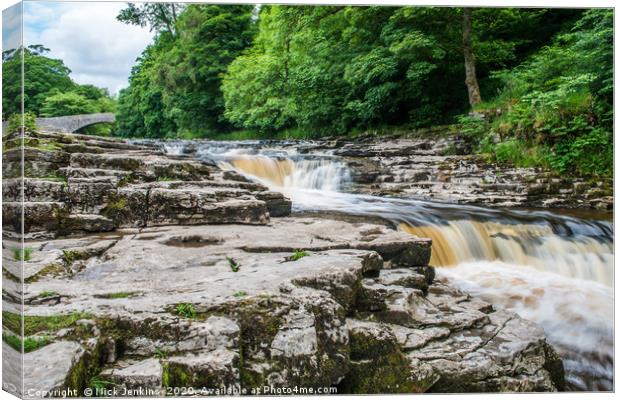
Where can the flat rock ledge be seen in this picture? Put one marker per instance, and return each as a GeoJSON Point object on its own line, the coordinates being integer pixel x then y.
{"type": "Point", "coordinates": [160, 309]}
{"type": "Point", "coordinates": [78, 184]}
{"type": "Point", "coordinates": [436, 164]}
{"type": "Point", "coordinates": [195, 287]}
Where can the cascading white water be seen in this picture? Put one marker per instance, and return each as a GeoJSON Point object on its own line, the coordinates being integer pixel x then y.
{"type": "Point", "coordinates": [576, 314]}
{"type": "Point", "coordinates": [174, 148]}
{"type": "Point", "coordinates": [554, 270]}
{"type": "Point", "coordinates": [315, 174]}
{"type": "Point", "coordinates": [535, 246]}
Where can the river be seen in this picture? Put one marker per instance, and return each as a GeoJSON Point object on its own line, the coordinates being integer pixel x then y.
{"type": "Point", "coordinates": [549, 267]}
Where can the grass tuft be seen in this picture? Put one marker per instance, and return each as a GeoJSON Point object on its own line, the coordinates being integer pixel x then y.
{"type": "Point", "coordinates": [34, 324]}
{"type": "Point", "coordinates": [186, 310]}
{"type": "Point", "coordinates": [298, 255]}
{"type": "Point", "coordinates": [29, 343]}
{"type": "Point", "coordinates": [234, 265]}
{"type": "Point", "coordinates": [20, 254]}
{"type": "Point", "coordinates": [159, 353]}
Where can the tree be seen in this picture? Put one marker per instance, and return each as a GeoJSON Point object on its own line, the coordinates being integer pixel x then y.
{"type": "Point", "coordinates": [325, 69]}
{"type": "Point", "coordinates": [176, 86]}
{"type": "Point", "coordinates": [41, 75]}
{"type": "Point", "coordinates": [328, 69]}
{"type": "Point", "coordinates": [471, 80]}
{"type": "Point", "coordinates": [141, 111]}
{"type": "Point", "coordinates": [70, 103]}
{"type": "Point", "coordinates": [46, 77]}
{"type": "Point", "coordinates": [158, 16]}
{"type": "Point", "coordinates": [560, 99]}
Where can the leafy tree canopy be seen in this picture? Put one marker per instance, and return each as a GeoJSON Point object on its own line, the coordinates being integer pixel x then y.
{"type": "Point", "coordinates": [46, 81]}
{"type": "Point", "coordinates": [333, 69]}
{"type": "Point", "coordinates": [545, 76]}
{"type": "Point", "coordinates": [157, 16]}
{"type": "Point", "coordinates": [176, 85]}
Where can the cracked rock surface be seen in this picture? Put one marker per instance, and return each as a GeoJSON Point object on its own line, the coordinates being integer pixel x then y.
{"type": "Point", "coordinates": [139, 283]}
{"type": "Point", "coordinates": [435, 164]}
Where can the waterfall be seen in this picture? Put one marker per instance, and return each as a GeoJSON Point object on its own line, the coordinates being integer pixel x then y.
{"type": "Point", "coordinates": [317, 174]}
{"type": "Point", "coordinates": [552, 269]}
{"type": "Point", "coordinates": [520, 244]}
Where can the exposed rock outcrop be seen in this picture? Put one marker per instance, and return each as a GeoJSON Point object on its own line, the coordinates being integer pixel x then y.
{"type": "Point", "coordinates": [187, 284]}
{"type": "Point", "coordinates": [77, 183]}
{"type": "Point", "coordinates": [434, 165]}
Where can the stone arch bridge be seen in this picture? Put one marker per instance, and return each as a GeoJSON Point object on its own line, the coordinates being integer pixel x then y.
{"type": "Point", "coordinates": [70, 123]}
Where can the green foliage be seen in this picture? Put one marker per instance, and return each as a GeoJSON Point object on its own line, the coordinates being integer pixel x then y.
{"type": "Point", "coordinates": [234, 265]}
{"type": "Point", "coordinates": [41, 74]}
{"type": "Point", "coordinates": [314, 70]}
{"type": "Point", "coordinates": [22, 254]}
{"type": "Point", "coordinates": [175, 87]}
{"type": "Point", "coordinates": [69, 103]}
{"type": "Point", "coordinates": [12, 340]}
{"type": "Point", "coordinates": [47, 85]}
{"type": "Point", "coordinates": [518, 153]}
{"type": "Point", "coordinates": [100, 385]}
{"type": "Point", "coordinates": [159, 353]}
{"type": "Point", "coordinates": [298, 255]}
{"type": "Point", "coordinates": [102, 129]}
{"type": "Point", "coordinates": [158, 16]}
{"type": "Point", "coordinates": [29, 122]}
{"type": "Point", "coordinates": [472, 128]}
{"type": "Point", "coordinates": [69, 257]}
{"type": "Point", "coordinates": [336, 69]}
{"type": "Point", "coordinates": [47, 293]}
{"type": "Point", "coordinates": [34, 324]}
{"type": "Point", "coordinates": [590, 154]}
{"type": "Point", "coordinates": [186, 310]}
{"type": "Point", "coordinates": [126, 180]}
{"type": "Point", "coordinates": [252, 134]}
{"type": "Point", "coordinates": [117, 295]}
{"type": "Point", "coordinates": [29, 343]}
{"type": "Point", "coordinates": [240, 293]}
{"type": "Point", "coordinates": [556, 108]}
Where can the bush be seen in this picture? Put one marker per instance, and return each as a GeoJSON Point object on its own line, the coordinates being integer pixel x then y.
{"type": "Point", "coordinates": [520, 154]}
{"type": "Point", "coordinates": [473, 128]}
{"type": "Point", "coordinates": [590, 154]}
{"type": "Point", "coordinates": [29, 121]}
{"type": "Point", "coordinates": [556, 109]}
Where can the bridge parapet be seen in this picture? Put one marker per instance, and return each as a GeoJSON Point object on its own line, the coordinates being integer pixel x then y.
{"type": "Point", "coordinates": [70, 123]}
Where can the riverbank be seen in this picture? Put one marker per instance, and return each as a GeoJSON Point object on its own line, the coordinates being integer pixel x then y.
{"type": "Point", "coordinates": [150, 270]}
{"type": "Point", "coordinates": [545, 259]}
{"type": "Point", "coordinates": [433, 165]}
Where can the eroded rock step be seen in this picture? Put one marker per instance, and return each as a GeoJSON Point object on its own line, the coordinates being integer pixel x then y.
{"type": "Point", "coordinates": [435, 165]}
{"type": "Point", "coordinates": [303, 301]}
{"type": "Point", "coordinates": [121, 297]}
{"type": "Point", "coordinates": [75, 184]}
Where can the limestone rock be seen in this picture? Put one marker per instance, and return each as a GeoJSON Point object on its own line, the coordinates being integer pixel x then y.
{"type": "Point", "coordinates": [135, 376]}
{"type": "Point", "coordinates": [209, 370]}
{"type": "Point", "coordinates": [190, 279]}
{"type": "Point", "coordinates": [49, 368]}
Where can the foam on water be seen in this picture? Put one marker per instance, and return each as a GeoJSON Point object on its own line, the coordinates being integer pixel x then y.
{"type": "Point", "coordinates": [576, 314]}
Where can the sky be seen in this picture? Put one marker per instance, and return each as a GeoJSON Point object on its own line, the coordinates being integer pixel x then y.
{"type": "Point", "coordinates": [97, 48]}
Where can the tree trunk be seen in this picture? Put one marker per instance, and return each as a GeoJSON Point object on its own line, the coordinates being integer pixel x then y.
{"type": "Point", "coordinates": [470, 61]}
{"type": "Point", "coordinates": [166, 19]}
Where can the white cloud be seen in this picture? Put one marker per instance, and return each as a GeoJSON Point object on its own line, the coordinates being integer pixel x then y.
{"type": "Point", "coordinates": [11, 27]}
{"type": "Point", "coordinates": [96, 47]}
